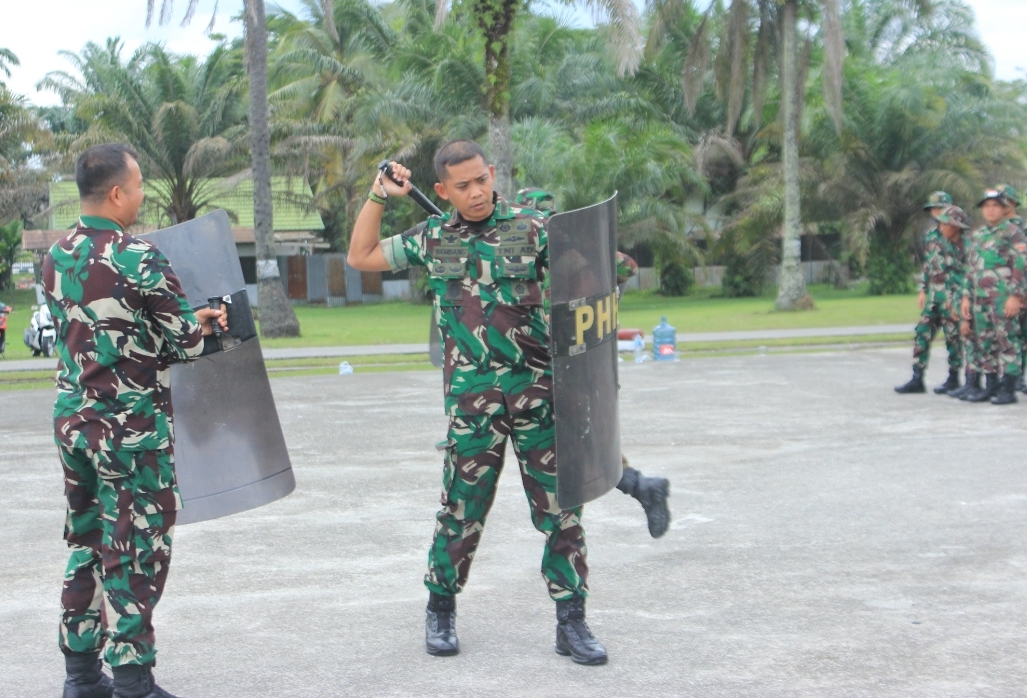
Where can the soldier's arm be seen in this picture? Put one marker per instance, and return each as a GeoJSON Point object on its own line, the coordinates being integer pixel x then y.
{"type": "Point", "coordinates": [365, 251]}
{"type": "Point", "coordinates": [925, 274]}
{"type": "Point", "coordinates": [626, 268]}
{"type": "Point", "coordinates": [169, 309]}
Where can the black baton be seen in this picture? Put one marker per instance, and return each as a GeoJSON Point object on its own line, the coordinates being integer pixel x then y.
{"type": "Point", "coordinates": [416, 194]}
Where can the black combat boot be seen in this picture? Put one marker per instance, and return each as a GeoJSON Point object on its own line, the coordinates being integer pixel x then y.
{"type": "Point", "coordinates": [85, 676]}
{"type": "Point", "coordinates": [915, 384]}
{"type": "Point", "coordinates": [973, 382]}
{"type": "Point", "coordinates": [1021, 385]}
{"type": "Point", "coordinates": [573, 637]}
{"type": "Point", "coordinates": [989, 390]}
{"type": "Point", "coordinates": [440, 626]}
{"type": "Point", "coordinates": [651, 493]}
{"type": "Point", "coordinates": [1007, 391]}
{"type": "Point", "coordinates": [136, 681]}
{"type": "Point", "coordinates": [951, 384]}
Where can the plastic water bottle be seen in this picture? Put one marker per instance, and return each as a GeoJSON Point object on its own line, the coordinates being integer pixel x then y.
{"type": "Point", "coordinates": [345, 369]}
{"type": "Point", "coordinates": [639, 347]}
{"type": "Point", "coordinates": [665, 341]}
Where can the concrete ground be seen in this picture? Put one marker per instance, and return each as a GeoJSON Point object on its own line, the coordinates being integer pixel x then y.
{"type": "Point", "coordinates": [830, 538]}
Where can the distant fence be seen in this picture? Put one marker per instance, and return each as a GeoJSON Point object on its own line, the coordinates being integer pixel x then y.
{"type": "Point", "coordinates": [326, 279]}
{"type": "Point", "coordinates": [647, 279]}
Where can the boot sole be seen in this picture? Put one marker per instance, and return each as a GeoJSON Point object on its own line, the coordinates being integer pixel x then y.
{"type": "Point", "coordinates": [577, 659]}
{"type": "Point", "coordinates": [443, 653]}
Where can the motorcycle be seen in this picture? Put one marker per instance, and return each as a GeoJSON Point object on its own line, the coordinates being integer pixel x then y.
{"type": "Point", "coordinates": [5, 310]}
{"type": "Point", "coordinates": [41, 335]}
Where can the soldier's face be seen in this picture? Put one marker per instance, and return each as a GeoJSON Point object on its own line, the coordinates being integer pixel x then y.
{"type": "Point", "coordinates": [993, 211]}
{"type": "Point", "coordinates": [468, 186]}
{"type": "Point", "coordinates": [128, 196]}
{"type": "Point", "coordinates": [951, 232]}
{"type": "Point", "coordinates": [934, 211]}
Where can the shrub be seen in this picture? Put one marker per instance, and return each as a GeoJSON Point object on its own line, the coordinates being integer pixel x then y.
{"type": "Point", "coordinates": [675, 279]}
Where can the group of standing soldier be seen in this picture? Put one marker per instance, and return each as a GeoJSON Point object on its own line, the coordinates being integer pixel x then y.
{"type": "Point", "coordinates": [972, 288]}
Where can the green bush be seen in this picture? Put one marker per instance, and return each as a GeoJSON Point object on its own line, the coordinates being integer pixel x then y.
{"type": "Point", "coordinates": [740, 280]}
{"type": "Point", "coordinates": [675, 279]}
{"type": "Point", "coordinates": [889, 266]}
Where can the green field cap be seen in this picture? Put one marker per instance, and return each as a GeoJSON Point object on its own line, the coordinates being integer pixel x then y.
{"type": "Point", "coordinates": [938, 199]}
{"type": "Point", "coordinates": [953, 215]}
{"type": "Point", "coordinates": [1010, 192]}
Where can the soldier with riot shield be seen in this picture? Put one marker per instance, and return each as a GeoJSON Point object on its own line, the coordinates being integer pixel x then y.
{"type": "Point", "coordinates": [650, 492]}
{"type": "Point", "coordinates": [122, 319]}
{"type": "Point", "coordinates": [486, 264]}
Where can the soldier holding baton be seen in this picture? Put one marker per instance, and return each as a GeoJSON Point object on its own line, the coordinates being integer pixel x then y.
{"type": "Point", "coordinates": [486, 264]}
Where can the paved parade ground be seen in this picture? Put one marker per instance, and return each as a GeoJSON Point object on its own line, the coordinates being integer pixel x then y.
{"type": "Point", "coordinates": [830, 538]}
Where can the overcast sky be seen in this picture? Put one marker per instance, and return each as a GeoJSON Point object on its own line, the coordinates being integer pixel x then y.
{"type": "Point", "coordinates": [37, 29]}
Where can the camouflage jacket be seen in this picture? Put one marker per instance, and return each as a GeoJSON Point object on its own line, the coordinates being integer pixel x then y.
{"type": "Point", "coordinates": [995, 265]}
{"type": "Point", "coordinates": [122, 320]}
{"type": "Point", "coordinates": [487, 283]}
{"type": "Point", "coordinates": [942, 265]}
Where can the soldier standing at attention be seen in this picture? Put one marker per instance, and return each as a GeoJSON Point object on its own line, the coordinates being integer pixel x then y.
{"type": "Point", "coordinates": [651, 492]}
{"type": "Point", "coordinates": [486, 264]}
{"type": "Point", "coordinates": [937, 304]}
{"type": "Point", "coordinates": [993, 293]}
{"type": "Point", "coordinates": [121, 320]}
{"type": "Point", "coordinates": [1012, 203]}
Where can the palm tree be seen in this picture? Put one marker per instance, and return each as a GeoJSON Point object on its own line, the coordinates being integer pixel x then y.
{"type": "Point", "coordinates": [7, 59]}
{"type": "Point", "coordinates": [277, 318]}
{"type": "Point", "coordinates": [494, 19]}
{"type": "Point", "coordinates": [182, 115]}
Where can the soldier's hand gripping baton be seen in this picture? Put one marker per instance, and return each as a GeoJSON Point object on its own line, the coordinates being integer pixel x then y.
{"type": "Point", "coordinates": [416, 194]}
{"type": "Point", "coordinates": [214, 303]}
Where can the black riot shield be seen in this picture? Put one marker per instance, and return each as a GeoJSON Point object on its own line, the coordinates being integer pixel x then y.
{"type": "Point", "coordinates": [230, 453]}
{"type": "Point", "coordinates": [583, 284]}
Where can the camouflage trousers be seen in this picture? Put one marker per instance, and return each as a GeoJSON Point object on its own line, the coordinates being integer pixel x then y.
{"type": "Point", "coordinates": [121, 515]}
{"type": "Point", "coordinates": [997, 338]}
{"type": "Point", "coordinates": [932, 319]}
{"type": "Point", "coordinates": [1023, 342]}
{"type": "Point", "coordinates": [474, 453]}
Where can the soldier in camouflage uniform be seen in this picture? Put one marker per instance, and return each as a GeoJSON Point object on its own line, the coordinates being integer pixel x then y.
{"type": "Point", "coordinates": [1012, 197]}
{"type": "Point", "coordinates": [938, 305]}
{"type": "Point", "coordinates": [486, 264]}
{"type": "Point", "coordinates": [121, 320]}
{"type": "Point", "coordinates": [651, 492]}
{"type": "Point", "coordinates": [993, 295]}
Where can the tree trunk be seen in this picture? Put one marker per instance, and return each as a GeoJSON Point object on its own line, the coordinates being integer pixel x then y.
{"type": "Point", "coordinates": [277, 318]}
{"type": "Point", "coordinates": [501, 152]}
{"type": "Point", "coordinates": [791, 294]}
{"type": "Point", "coordinates": [495, 19]}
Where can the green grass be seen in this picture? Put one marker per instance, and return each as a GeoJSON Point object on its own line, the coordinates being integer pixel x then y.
{"type": "Point", "coordinates": [403, 323]}
{"type": "Point", "coordinates": [700, 312]}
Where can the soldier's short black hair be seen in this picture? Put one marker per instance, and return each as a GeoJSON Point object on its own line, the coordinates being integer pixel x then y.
{"type": "Point", "coordinates": [101, 167]}
{"type": "Point", "coordinates": [455, 152]}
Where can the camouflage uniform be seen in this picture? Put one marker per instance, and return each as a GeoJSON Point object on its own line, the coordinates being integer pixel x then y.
{"type": "Point", "coordinates": [121, 320]}
{"type": "Point", "coordinates": [487, 282]}
{"type": "Point", "coordinates": [995, 271]}
{"type": "Point", "coordinates": [941, 263]}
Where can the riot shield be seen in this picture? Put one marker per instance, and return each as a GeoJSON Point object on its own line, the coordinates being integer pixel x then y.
{"type": "Point", "coordinates": [230, 454]}
{"type": "Point", "coordinates": [583, 284]}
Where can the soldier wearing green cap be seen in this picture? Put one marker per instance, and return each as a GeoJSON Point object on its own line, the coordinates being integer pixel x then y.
{"type": "Point", "coordinates": [937, 299]}
{"type": "Point", "coordinates": [993, 294]}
